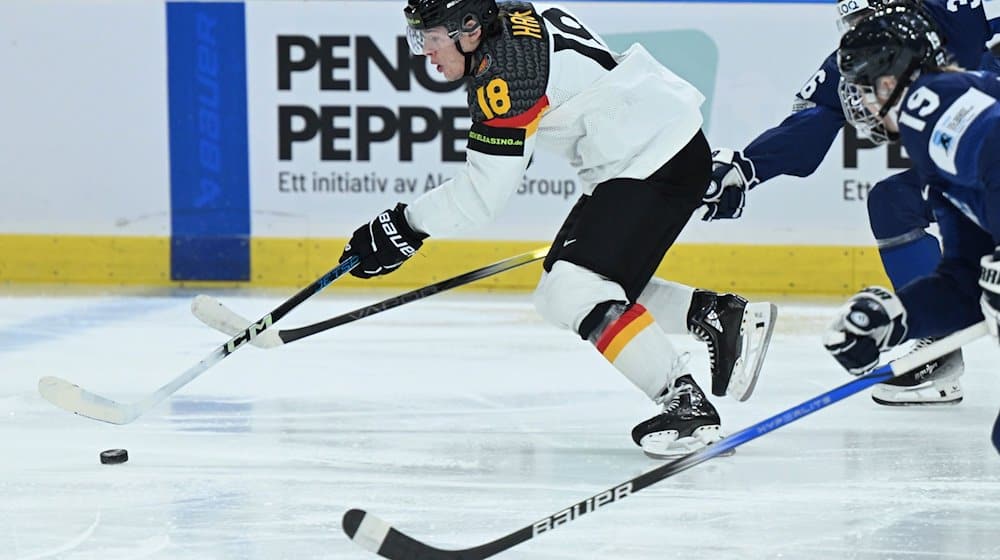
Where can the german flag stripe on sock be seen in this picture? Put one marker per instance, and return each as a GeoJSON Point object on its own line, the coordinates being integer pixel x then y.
{"type": "Point", "coordinates": [618, 334]}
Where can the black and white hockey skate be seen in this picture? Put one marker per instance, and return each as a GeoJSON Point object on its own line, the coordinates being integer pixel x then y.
{"type": "Point", "coordinates": [737, 333]}
{"type": "Point", "coordinates": [688, 423]}
{"type": "Point", "coordinates": [934, 383]}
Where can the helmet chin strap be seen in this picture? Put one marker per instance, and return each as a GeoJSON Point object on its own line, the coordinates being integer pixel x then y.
{"type": "Point", "coordinates": [904, 82]}
{"type": "Point", "coordinates": [470, 58]}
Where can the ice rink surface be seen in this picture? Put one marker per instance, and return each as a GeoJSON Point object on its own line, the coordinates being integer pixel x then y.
{"type": "Point", "coordinates": [458, 419]}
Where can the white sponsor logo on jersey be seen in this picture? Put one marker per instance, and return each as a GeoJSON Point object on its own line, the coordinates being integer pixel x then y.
{"type": "Point", "coordinates": [953, 124]}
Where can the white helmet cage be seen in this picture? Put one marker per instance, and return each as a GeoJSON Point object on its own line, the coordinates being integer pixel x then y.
{"type": "Point", "coordinates": [854, 99]}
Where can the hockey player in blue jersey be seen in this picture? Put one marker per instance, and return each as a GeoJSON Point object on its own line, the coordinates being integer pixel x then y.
{"type": "Point", "coordinates": [898, 213]}
{"type": "Point", "coordinates": [900, 82]}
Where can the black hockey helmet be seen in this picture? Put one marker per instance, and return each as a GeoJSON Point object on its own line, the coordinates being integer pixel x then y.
{"type": "Point", "coordinates": [424, 17]}
{"type": "Point", "coordinates": [850, 12]}
{"type": "Point", "coordinates": [896, 41]}
{"type": "Point", "coordinates": [899, 40]}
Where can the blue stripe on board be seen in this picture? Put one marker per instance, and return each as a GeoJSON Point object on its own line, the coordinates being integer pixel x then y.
{"type": "Point", "coordinates": [209, 167]}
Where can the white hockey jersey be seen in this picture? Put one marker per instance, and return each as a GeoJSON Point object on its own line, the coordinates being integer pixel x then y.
{"type": "Point", "coordinates": [549, 82]}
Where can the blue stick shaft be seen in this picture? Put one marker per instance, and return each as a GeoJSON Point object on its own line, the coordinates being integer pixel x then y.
{"type": "Point", "coordinates": [376, 535]}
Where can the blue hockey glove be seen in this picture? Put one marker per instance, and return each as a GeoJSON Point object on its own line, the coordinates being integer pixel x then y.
{"type": "Point", "coordinates": [383, 244]}
{"type": "Point", "coordinates": [732, 176]}
{"type": "Point", "coordinates": [872, 321]}
{"type": "Point", "coordinates": [989, 281]}
{"type": "Point", "coordinates": [996, 433]}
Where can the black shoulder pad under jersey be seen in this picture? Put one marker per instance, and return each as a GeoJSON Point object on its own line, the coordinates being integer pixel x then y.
{"type": "Point", "coordinates": [513, 70]}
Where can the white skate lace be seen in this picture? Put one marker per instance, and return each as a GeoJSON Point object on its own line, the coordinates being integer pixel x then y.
{"type": "Point", "coordinates": [678, 367]}
{"type": "Point", "coordinates": [675, 401]}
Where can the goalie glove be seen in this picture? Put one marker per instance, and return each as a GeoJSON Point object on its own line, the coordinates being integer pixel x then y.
{"type": "Point", "coordinates": [732, 176]}
{"type": "Point", "coordinates": [383, 244]}
{"type": "Point", "coordinates": [872, 321]}
{"type": "Point", "coordinates": [989, 281]}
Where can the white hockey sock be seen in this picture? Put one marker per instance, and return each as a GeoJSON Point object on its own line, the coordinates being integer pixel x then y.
{"type": "Point", "coordinates": [669, 302]}
{"type": "Point", "coordinates": [639, 348]}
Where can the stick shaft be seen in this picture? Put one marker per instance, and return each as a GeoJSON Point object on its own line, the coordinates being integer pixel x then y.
{"type": "Point", "coordinates": [288, 335]}
{"type": "Point", "coordinates": [77, 400]}
{"type": "Point", "coordinates": [376, 535]}
{"type": "Point", "coordinates": [215, 314]}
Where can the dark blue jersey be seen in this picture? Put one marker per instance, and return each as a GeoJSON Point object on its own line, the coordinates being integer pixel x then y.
{"type": "Point", "coordinates": [949, 123]}
{"type": "Point", "coordinates": [798, 145]}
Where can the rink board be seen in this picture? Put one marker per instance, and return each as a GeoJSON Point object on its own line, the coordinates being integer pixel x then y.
{"type": "Point", "coordinates": [109, 260]}
{"type": "Point", "coordinates": [239, 143]}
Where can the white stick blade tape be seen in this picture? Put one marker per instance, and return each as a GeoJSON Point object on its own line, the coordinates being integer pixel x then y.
{"type": "Point", "coordinates": [371, 533]}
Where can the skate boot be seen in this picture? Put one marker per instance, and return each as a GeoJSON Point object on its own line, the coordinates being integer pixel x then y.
{"type": "Point", "coordinates": [688, 422]}
{"type": "Point", "coordinates": [737, 333]}
{"type": "Point", "coordinates": [934, 383]}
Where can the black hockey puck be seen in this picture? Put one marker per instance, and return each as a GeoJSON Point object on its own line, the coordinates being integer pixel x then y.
{"type": "Point", "coordinates": [114, 456]}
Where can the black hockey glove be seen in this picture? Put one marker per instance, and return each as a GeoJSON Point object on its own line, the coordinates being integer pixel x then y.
{"type": "Point", "coordinates": [732, 176]}
{"type": "Point", "coordinates": [383, 243]}
{"type": "Point", "coordinates": [872, 321]}
{"type": "Point", "coordinates": [989, 281]}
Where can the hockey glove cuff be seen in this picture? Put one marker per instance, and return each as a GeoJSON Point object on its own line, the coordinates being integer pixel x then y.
{"type": "Point", "coordinates": [383, 244]}
{"type": "Point", "coordinates": [872, 321]}
{"type": "Point", "coordinates": [989, 281]}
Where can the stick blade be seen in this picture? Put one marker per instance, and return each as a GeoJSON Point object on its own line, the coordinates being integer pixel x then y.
{"type": "Point", "coordinates": [374, 534]}
{"type": "Point", "coordinates": [214, 314]}
{"type": "Point", "coordinates": [75, 399]}
{"type": "Point", "coordinates": [365, 529]}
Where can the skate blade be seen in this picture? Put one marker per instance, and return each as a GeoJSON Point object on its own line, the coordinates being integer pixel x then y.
{"type": "Point", "coordinates": [673, 456]}
{"type": "Point", "coordinates": [703, 437]}
{"type": "Point", "coordinates": [928, 393]}
{"type": "Point", "coordinates": [758, 324]}
{"type": "Point", "coordinates": [882, 402]}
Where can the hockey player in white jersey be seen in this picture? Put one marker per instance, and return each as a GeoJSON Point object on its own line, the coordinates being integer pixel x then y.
{"type": "Point", "coordinates": [539, 78]}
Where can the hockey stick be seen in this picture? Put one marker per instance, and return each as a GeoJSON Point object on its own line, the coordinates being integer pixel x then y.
{"type": "Point", "coordinates": [374, 534]}
{"type": "Point", "coordinates": [213, 313]}
{"type": "Point", "coordinates": [77, 400]}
